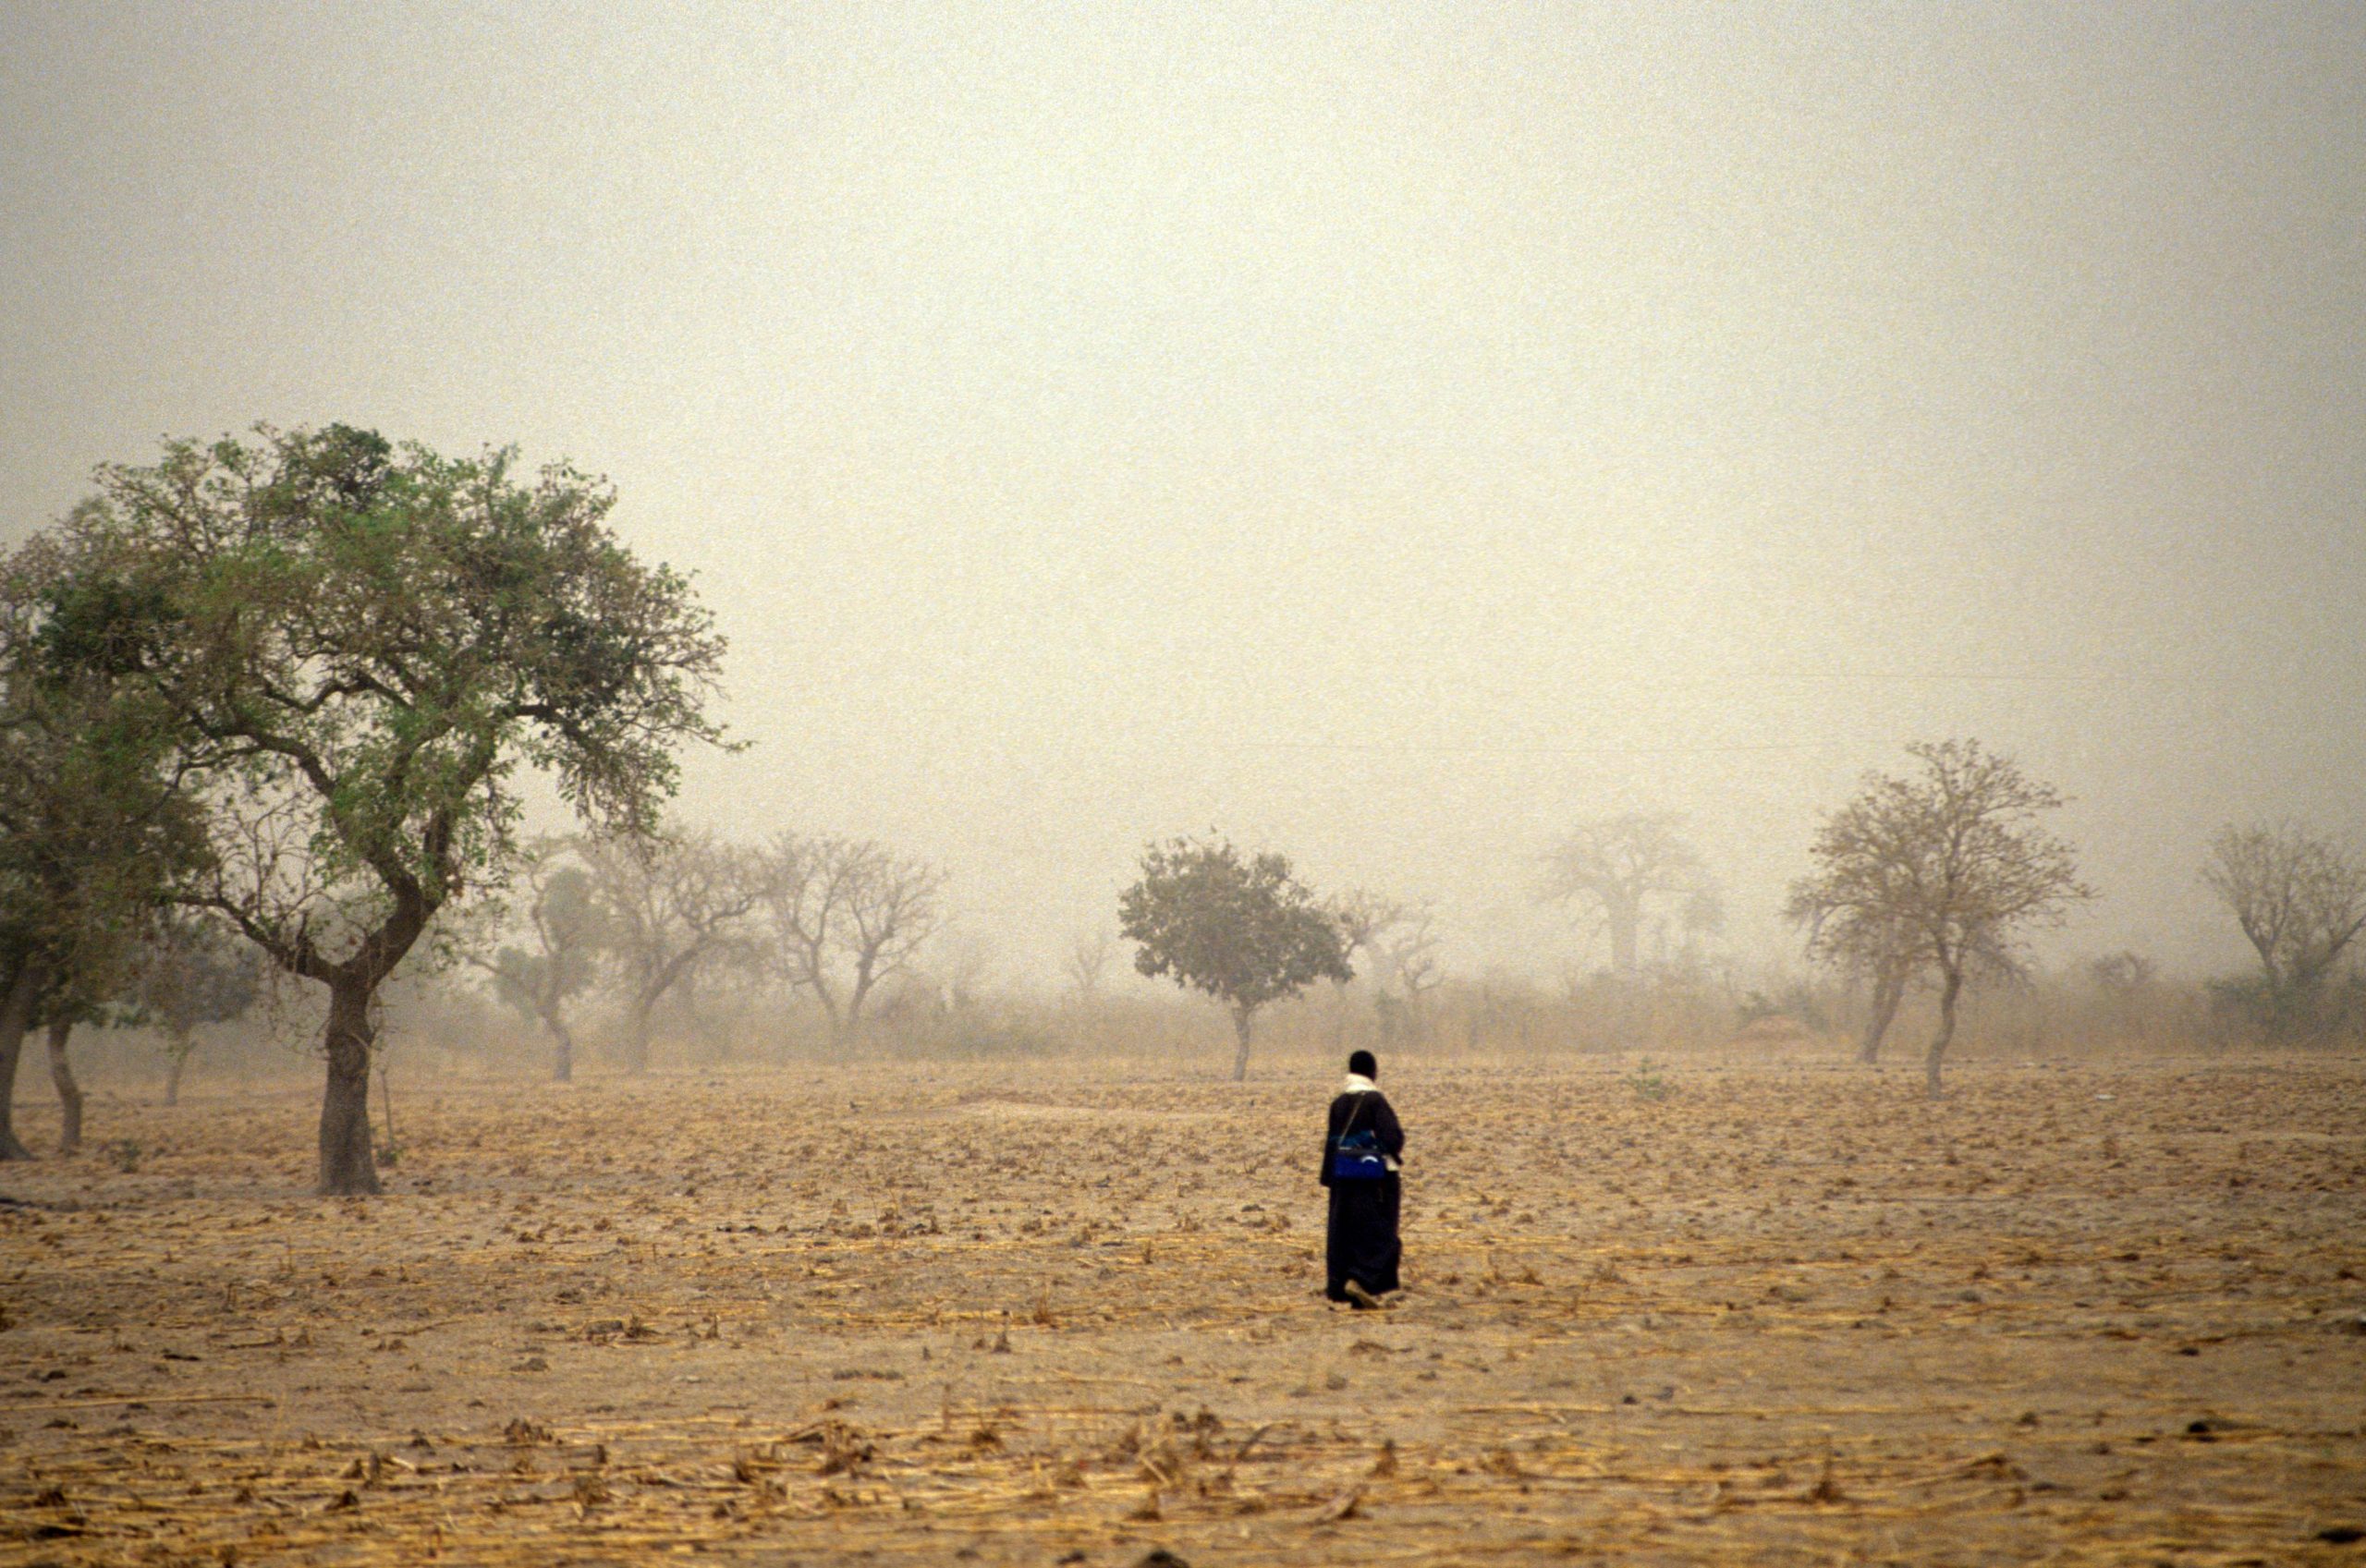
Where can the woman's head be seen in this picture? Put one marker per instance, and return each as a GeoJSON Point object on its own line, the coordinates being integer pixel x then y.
{"type": "Point", "coordinates": [1363, 1065]}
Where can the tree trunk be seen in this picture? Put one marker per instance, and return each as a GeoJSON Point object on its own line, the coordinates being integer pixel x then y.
{"type": "Point", "coordinates": [16, 1018]}
{"type": "Point", "coordinates": [1624, 920]}
{"type": "Point", "coordinates": [70, 1093]}
{"type": "Point", "coordinates": [863, 982]}
{"type": "Point", "coordinates": [1889, 989]}
{"type": "Point", "coordinates": [1241, 1019]}
{"type": "Point", "coordinates": [1948, 991]}
{"type": "Point", "coordinates": [835, 1017]}
{"type": "Point", "coordinates": [349, 1164]}
{"type": "Point", "coordinates": [563, 1063]}
{"type": "Point", "coordinates": [175, 1062]}
{"type": "Point", "coordinates": [637, 1033]}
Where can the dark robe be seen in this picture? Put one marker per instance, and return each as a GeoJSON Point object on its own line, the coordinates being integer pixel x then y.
{"type": "Point", "coordinates": [1362, 1244]}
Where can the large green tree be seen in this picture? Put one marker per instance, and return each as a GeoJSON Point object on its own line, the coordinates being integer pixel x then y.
{"type": "Point", "coordinates": [379, 638]}
{"type": "Point", "coordinates": [1241, 929]}
{"type": "Point", "coordinates": [97, 826]}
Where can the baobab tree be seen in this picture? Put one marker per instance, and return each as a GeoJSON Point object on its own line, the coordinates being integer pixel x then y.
{"type": "Point", "coordinates": [2300, 900]}
{"type": "Point", "coordinates": [1617, 867]}
{"type": "Point", "coordinates": [845, 914]}
{"type": "Point", "coordinates": [1242, 929]}
{"type": "Point", "coordinates": [1949, 866]}
{"type": "Point", "coordinates": [363, 645]}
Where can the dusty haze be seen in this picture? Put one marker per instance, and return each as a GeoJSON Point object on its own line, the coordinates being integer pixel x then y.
{"type": "Point", "coordinates": [1387, 435]}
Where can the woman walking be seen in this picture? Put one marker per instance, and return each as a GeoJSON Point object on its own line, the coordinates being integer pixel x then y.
{"type": "Point", "coordinates": [1359, 1164]}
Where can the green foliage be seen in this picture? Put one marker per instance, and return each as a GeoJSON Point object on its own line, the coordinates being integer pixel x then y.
{"type": "Point", "coordinates": [569, 933]}
{"type": "Point", "coordinates": [1649, 1083]}
{"type": "Point", "coordinates": [97, 827]}
{"type": "Point", "coordinates": [1244, 931]}
{"type": "Point", "coordinates": [364, 642]}
{"type": "Point", "coordinates": [189, 971]}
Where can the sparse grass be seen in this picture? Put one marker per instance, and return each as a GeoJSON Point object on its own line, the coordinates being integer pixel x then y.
{"type": "Point", "coordinates": [1649, 1082]}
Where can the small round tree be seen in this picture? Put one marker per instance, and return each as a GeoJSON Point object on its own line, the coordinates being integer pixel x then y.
{"type": "Point", "coordinates": [1244, 931]}
{"type": "Point", "coordinates": [567, 930]}
{"type": "Point", "coordinates": [189, 972]}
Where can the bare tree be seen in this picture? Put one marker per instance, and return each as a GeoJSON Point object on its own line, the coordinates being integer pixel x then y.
{"type": "Point", "coordinates": [1087, 961]}
{"type": "Point", "coordinates": [2300, 900]}
{"type": "Point", "coordinates": [2127, 983]}
{"type": "Point", "coordinates": [1865, 940]}
{"type": "Point", "coordinates": [1399, 942]}
{"type": "Point", "coordinates": [960, 971]}
{"type": "Point", "coordinates": [1868, 943]}
{"type": "Point", "coordinates": [1616, 867]}
{"type": "Point", "coordinates": [2123, 975]}
{"type": "Point", "coordinates": [847, 914]}
{"type": "Point", "coordinates": [1947, 866]}
{"type": "Point", "coordinates": [670, 905]}
{"type": "Point", "coordinates": [1405, 963]}
{"type": "Point", "coordinates": [1363, 916]}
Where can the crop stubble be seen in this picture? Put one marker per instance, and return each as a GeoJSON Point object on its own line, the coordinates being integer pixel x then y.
{"type": "Point", "coordinates": [1788, 1313]}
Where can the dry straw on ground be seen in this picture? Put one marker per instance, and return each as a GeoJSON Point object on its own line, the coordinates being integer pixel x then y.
{"type": "Point", "coordinates": [1776, 1314]}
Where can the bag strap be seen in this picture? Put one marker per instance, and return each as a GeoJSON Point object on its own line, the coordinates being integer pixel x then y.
{"type": "Point", "coordinates": [1353, 1112]}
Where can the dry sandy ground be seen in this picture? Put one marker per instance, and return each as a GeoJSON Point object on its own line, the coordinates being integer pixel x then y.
{"type": "Point", "coordinates": [1785, 1313]}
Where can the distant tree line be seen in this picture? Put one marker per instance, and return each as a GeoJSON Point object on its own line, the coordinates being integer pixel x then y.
{"type": "Point", "coordinates": [832, 918]}
{"type": "Point", "coordinates": [266, 703]}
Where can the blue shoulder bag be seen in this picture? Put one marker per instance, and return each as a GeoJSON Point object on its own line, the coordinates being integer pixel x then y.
{"type": "Point", "coordinates": [1357, 1157]}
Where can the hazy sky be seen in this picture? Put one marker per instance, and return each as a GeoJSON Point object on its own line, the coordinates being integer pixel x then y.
{"type": "Point", "coordinates": [1388, 434]}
